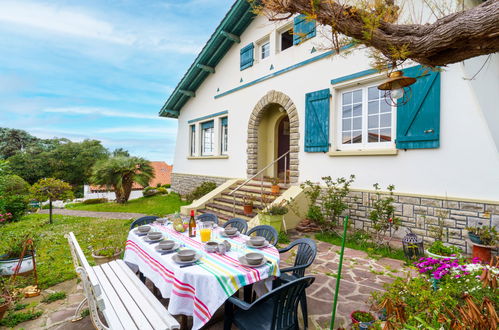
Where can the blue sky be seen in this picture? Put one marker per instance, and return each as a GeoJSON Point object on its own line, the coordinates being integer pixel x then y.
{"type": "Point", "coordinates": [100, 69]}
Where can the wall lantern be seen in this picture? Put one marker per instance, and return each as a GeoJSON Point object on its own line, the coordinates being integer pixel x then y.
{"type": "Point", "coordinates": [396, 87]}
{"type": "Point", "coordinates": [413, 246]}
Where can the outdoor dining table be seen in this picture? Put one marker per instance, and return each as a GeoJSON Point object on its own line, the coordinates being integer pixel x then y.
{"type": "Point", "coordinates": [199, 290]}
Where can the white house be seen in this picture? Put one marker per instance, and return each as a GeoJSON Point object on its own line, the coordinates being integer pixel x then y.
{"type": "Point", "coordinates": [261, 89]}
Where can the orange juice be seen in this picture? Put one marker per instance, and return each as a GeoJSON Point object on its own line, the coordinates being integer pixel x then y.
{"type": "Point", "coordinates": [205, 234]}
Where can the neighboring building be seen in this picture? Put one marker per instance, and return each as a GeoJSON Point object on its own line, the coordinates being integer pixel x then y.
{"type": "Point", "coordinates": [261, 89]}
{"type": "Point", "coordinates": [162, 176]}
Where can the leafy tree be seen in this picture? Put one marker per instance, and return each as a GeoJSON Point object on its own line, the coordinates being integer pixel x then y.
{"type": "Point", "coordinates": [121, 152]}
{"type": "Point", "coordinates": [121, 172]}
{"type": "Point", "coordinates": [51, 189]}
{"type": "Point", "coordinates": [14, 196]}
{"type": "Point", "coordinates": [4, 167]}
{"type": "Point", "coordinates": [14, 140]}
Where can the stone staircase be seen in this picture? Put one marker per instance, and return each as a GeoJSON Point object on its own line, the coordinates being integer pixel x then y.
{"type": "Point", "coordinates": [223, 204]}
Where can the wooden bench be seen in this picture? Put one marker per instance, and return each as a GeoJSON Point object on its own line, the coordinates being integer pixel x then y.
{"type": "Point", "coordinates": [115, 291]}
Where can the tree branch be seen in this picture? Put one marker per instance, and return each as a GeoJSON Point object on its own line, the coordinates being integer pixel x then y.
{"type": "Point", "coordinates": [450, 39]}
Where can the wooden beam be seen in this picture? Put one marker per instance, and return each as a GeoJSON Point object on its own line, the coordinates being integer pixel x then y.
{"type": "Point", "coordinates": [169, 113]}
{"type": "Point", "coordinates": [206, 68]}
{"type": "Point", "coordinates": [231, 36]}
{"type": "Point", "coordinates": [187, 93]}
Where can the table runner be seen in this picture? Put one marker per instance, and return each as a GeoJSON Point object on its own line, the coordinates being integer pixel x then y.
{"type": "Point", "coordinates": [198, 290]}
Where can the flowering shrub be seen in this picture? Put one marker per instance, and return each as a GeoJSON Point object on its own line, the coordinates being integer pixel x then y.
{"type": "Point", "coordinates": [6, 217]}
{"type": "Point", "coordinates": [438, 268]}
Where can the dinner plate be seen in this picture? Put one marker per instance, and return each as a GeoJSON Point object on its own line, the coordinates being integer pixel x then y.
{"type": "Point", "coordinates": [180, 262]}
{"type": "Point", "coordinates": [244, 262]}
{"type": "Point", "coordinates": [173, 249]}
{"type": "Point", "coordinates": [147, 240]}
{"type": "Point", "coordinates": [225, 235]}
{"type": "Point", "coordinates": [138, 233]}
{"type": "Point", "coordinates": [264, 245]}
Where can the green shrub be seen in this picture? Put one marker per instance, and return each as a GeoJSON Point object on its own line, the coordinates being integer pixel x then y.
{"type": "Point", "coordinates": [162, 191]}
{"type": "Point", "coordinates": [149, 192]}
{"type": "Point", "coordinates": [167, 186]}
{"type": "Point", "coordinates": [14, 196]}
{"type": "Point", "coordinates": [95, 201]}
{"type": "Point", "coordinates": [13, 319]}
{"type": "Point", "coordinates": [200, 191]}
{"type": "Point", "coordinates": [54, 297]}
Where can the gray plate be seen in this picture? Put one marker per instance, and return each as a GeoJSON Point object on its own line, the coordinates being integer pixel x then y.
{"type": "Point", "coordinates": [138, 233]}
{"type": "Point", "coordinates": [244, 262]}
{"type": "Point", "coordinates": [173, 249]}
{"type": "Point", "coordinates": [225, 235]}
{"type": "Point", "coordinates": [180, 262]}
{"type": "Point", "coordinates": [151, 241]}
{"type": "Point", "coordinates": [264, 245]}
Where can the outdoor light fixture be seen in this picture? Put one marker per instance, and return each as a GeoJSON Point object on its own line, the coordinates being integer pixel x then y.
{"type": "Point", "coordinates": [413, 246]}
{"type": "Point", "coordinates": [396, 87]}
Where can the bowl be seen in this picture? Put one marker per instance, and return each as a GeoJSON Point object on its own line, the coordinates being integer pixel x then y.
{"type": "Point", "coordinates": [186, 255]}
{"type": "Point", "coordinates": [154, 235]}
{"type": "Point", "coordinates": [257, 240]}
{"type": "Point", "coordinates": [144, 229]}
{"type": "Point", "coordinates": [161, 221]}
{"type": "Point", "coordinates": [211, 246]}
{"type": "Point", "coordinates": [254, 258]}
{"type": "Point", "coordinates": [230, 231]}
{"type": "Point", "coordinates": [166, 244]}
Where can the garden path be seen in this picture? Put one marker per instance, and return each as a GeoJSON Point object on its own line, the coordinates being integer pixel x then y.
{"type": "Point", "coordinates": [94, 214]}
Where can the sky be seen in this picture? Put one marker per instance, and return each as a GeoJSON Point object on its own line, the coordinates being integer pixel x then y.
{"type": "Point", "coordinates": [100, 69]}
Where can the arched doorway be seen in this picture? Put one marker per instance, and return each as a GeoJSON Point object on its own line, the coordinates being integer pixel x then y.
{"type": "Point", "coordinates": [272, 131]}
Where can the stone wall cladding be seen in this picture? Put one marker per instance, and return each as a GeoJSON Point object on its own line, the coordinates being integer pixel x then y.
{"type": "Point", "coordinates": [420, 213]}
{"type": "Point", "coordinates": [186, 183]}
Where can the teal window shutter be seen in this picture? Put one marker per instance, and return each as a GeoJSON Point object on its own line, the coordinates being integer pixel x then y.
{"type": "Point", "coordinates": [317, 121]}
{"type": "Point", "coordinates": [208, 124]}
{"type": "Point", "coordinates": [224, 121]}
{"type": "Point", "coordinates": [303, 29]}
{"type": "Point", "coordinates": [247, 56]}
{"type": "Point", "coordinates": [418, 121]}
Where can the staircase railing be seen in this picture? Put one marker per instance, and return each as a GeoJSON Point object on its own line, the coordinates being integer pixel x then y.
{"type": "Point", "coordinates": [285, 155]}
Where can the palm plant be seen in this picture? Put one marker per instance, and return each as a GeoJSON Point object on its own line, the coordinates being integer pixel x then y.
{"type": "Point", "coordinates": [120, 172]}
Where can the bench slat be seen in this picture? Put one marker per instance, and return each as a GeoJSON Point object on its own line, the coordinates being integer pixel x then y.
{"type": "Point", "coordinates": [135, 286]}
{"type": "Point", "coordinates": [128, 300]}
{"type": "Point", "coordinates": [113, 302]}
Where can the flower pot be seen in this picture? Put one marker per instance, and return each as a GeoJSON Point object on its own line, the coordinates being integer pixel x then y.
{"type": "Point", "coordinates": [271, 220]}
{"type": "Point", "coordinates": [248, 209]}
{"type": "Point", "coordinates": [437, 256]}
{"type": "Point", "coordinates": [362, 325]}
{"type": "Point", "coordinates": [483, 252]}
{"type": "Point", "coordinates": [8, 267]}
{"type": "Point", "coordinates": [474, 238]}
{"type": "Point", "coordinates": [4, 307]}
{"type": "Point", "coordinates": [274, 189]}
{"type": "Point", "coordinates": [99, 260]}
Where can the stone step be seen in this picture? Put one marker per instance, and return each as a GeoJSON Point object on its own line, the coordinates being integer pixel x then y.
{"type": "Point", "coordinates": [228, 210]}
{"type": "Point", "coordinates": [223, 217]}
{"type": "Point", "coordinates": [266, 184]}
{"type": "Point", "coordinates": [256, 191]}
{"type": "Point", "coordinates": [239, 202]}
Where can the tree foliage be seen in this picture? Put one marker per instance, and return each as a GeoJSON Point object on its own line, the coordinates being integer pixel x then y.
{"type": "Point", "coordinates": [120, 172]}
{"type": "Point", "coordinates": [14, 196]}
{"type": "Point", "coordinates": [51, 189]}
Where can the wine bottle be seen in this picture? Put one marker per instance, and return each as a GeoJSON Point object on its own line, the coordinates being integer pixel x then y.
{"type": "Point", "coordinates": [192, 225]}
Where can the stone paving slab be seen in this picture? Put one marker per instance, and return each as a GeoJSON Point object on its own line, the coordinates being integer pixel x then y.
{"type": "Point", "coordinates": [93, 214]}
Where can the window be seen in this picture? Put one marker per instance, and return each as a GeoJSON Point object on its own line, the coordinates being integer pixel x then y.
{"type": "Point", "coordinates": [193, 140]}
{"type": "Point", "coordinates": [265, 50]}
{"type": "Point", "coordinates": [366, 119]}
{"type": "Point", "coordinates": [224, 136]}
{"type": "Point", "coordinates": [207, 138]}
{"type": "Point", "coordinates": [286, 39]}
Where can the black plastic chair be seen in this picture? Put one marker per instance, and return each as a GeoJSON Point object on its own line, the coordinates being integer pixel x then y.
{"type": "Point", "coordinates": [276, 310]}
{"type": "Point", "coordinates": [208, 217]}
{"type": "Point", "coordinates": [266, 231]}
{"type": "Point", "coordinates": [143, 221]}
{"type": "Point", "coordinates": [305, 256]}
{"type": "Point", "coordinates": [238, 223]}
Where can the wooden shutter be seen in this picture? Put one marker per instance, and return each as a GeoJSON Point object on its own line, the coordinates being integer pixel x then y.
{"type": "Point", "coordinates": [418, 121]}
{"type": "Point", "coordinates": [224, 121]}
{"type": "Point", "coordinates": [317, 121]}
{"type": "Point", "coordinates": [207, 124]}
{"type": "Point", "coordinates": [247, 56]}
{"type": "Point", "coordinates": [303, 29]}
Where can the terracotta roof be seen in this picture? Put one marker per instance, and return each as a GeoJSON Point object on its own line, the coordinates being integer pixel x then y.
{"type": "Point", "coordinates": [162, 175]}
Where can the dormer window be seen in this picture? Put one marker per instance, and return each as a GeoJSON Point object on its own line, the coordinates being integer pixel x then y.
{"type": "Point", "coordinates": [265, 50]}
{"type": "Point", "coordinates": [286, 39]}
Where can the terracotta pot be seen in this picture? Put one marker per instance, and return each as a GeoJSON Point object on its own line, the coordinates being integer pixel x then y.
{"type": "Point", "coordinates": [484, 253]}
{"type": "Point", "coordinates": [99, 260]}
{"type": "Point", "coordinates": [248, 209]}
{"type": "Point", "coordinates": [275, 189]}
{"type": "Point", "coordinates": [4, 307]}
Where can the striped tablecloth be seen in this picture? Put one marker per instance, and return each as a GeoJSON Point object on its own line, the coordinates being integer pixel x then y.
{"type": "Point", "coordinates": [198, 290]}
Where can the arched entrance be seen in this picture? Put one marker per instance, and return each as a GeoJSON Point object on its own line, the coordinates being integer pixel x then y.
{"type": "Point", "coordinates": [272, 131]}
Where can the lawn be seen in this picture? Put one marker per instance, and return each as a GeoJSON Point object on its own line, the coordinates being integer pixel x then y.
{"type": "Point", "coordinates": [53, 259]}
{"type": "Point", "coordinates": [155, 205]}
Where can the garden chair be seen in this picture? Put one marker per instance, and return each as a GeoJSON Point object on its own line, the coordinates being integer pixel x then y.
{"type": "Point", "coordinates": [276, 310]}
{"type": "Point", "coordinates": [143, 221]}
{"type": "Point", "coordinates": [266, 231]}
{"type": "Point", "coordinates": [238, 223]}
{"type": "Point", "coordinates": [305, 256]}
{"type": "Point", "coordinates": [208, 217]}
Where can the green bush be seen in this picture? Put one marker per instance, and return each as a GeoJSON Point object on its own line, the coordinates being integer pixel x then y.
{"type": "Point", "coordinates": [13, 319]}
{"type": "Point", "coordinates": [149, 192]}
{"type": "Point", "coordinates": [162, 191]}
{"type": "Point", "coordinates": [200, 191]}
{"type": "Point", "coordinates": [95, 201]}
{"type": "Point", "coordinates": [167, 186]}
{"type": "Point", "coordinates": [14, 196]}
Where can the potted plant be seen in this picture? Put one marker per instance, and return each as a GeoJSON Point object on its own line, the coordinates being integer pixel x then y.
{"type": "Point", "coordinates": [5, 298]}
{"type": "Point", "coordinates": [484, 239]}
{"type": "Point", "coordinates": [275, 188]}
{"type": "Point", "coordinates": [363, 319]}
{"type": "Point", "coordinates": [105, 251]}
{"type": "Point", "coordinates": [272, 215]}
{"type": "Point", "coordinates": [439, 250]}
{"type": "Point", "coordinates": [248, 204]}
{"type": "Point", "coordinates": [11, 252]}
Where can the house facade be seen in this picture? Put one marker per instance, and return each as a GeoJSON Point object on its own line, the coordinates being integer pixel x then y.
{"type": "Point", "coordinates": [260, 90]}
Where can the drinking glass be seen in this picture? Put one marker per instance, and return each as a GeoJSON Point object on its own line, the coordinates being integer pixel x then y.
{"type": "Point", "coordinates": [205, 231]}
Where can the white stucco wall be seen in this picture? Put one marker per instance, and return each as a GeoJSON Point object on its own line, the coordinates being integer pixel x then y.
{"type": "Point", "coordinates": [466, 164]}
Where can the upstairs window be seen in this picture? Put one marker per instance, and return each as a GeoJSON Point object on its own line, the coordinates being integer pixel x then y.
{"type": "Point", "coordinates": [207, 138]}
{"type": "Point", "coordinates": [224, 136]}
{"type": "Point", "coordinates": [286, 39]}
{"type": "Point", "coordinates": [265, 50]}
{"type": "Point", "coordinates": [192, 141]}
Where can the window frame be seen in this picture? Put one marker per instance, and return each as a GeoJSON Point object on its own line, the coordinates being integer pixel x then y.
{"type": "Point", "coordinates": [286, 28]}
{"type": "Point", "coordinates": [224, 137]}
{"type": "Point", "coordinates": [260, 49]}
{"type": "Point", "coordinates": [202, 138]}
{"type": "Point", "coordinates": [192, 140]}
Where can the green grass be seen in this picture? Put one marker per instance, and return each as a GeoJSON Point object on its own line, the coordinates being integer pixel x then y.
{"type": "Point", "coordinates": [53, 258]}
{"type": "Point", "coordinates": [54, 297]}
{"type": "Point", "coordinates": [155, 205]}
{"type": "Point", "coordinates": [14, 318]}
